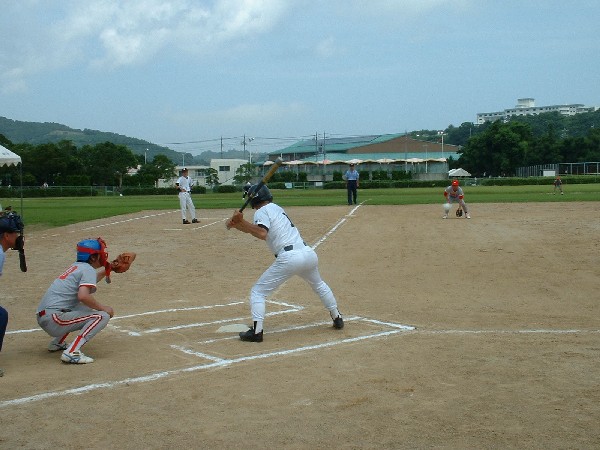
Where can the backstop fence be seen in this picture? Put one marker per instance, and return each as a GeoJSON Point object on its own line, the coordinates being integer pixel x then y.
{"type": "Point", "coordinates": [540, 170]}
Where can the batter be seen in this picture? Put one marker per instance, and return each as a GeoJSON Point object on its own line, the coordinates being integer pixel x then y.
{"type": "Point", "coordinates": [292, 257]}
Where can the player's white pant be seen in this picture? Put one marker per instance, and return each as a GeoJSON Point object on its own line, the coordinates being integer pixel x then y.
{"type": "Point", "coordinates": [185, 201]}
{"type": "Point", "coordinates": [304, 263]}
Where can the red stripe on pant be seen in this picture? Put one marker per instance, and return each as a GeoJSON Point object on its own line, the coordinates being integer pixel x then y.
{"type": "Point", "coordinates": [97, 317]}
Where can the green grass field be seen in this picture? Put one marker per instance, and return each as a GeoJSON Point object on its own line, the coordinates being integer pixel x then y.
{"type": "Point", "coordinates": [52, 212]}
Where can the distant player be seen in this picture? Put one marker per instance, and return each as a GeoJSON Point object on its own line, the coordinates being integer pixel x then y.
{"type": "Point", "coordinates": [558, 185]}
{"type": "Point", "coordinates": [455, 194]}
{"type": "Point", "coordinates": [184, 186]}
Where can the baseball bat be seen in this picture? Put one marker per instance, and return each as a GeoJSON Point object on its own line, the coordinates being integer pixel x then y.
{"type": "Point", "coordinates": [264, 181]}
{"type": "Point", "coordinates": [19, 247]}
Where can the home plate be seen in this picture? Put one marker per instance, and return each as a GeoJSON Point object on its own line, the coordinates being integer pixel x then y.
{"type": "Point", "coordinates": [233, 328]}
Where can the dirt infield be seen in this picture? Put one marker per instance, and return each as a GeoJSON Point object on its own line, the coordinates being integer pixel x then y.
{"type": "Point", "coordinates": [481, 333]}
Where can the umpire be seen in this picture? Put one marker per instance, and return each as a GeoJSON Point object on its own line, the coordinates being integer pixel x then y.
{"type": "Point", "coordinates": [351, 176]}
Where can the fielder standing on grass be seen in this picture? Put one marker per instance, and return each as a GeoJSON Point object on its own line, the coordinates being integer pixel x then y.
{"type": "Point", "coordinates": [292, 257]}
{"type": "Point", "coordinates": [558, 185]}
{"type": "Point", "coordinates": [184, 185]}
{"type": "Point", "coordinates": [10, 228]}
{"type": "Point", "coordinates": [455, 194]}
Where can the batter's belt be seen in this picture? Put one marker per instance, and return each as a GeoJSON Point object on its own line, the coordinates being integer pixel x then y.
{"type": "Point", "coordinates": [289, 248]}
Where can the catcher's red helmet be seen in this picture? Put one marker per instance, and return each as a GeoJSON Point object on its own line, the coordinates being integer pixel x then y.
{"type": "Point", "coordinates": [455, 183]}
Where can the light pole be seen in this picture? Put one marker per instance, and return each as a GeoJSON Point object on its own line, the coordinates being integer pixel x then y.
{"type": "Point", "coordinates": [145, 157]}
{"type": "Point", "coordinates": [244, 142]}
{"type": "Point", "coordinates": [441, 133]}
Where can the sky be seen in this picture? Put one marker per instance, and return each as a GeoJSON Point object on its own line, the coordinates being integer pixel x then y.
{"type": "Point", "coordinates": [200, 75]}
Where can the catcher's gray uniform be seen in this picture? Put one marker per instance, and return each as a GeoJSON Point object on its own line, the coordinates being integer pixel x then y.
{"type": "Point", "coordinates": [60, 312]}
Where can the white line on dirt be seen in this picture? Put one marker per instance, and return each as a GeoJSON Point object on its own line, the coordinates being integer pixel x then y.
{"type": "Point", "coordinates": [335, 227]}
{"type": "Point", "coordinates": [216, 363]}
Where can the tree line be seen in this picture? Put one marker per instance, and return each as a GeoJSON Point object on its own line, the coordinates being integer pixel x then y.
{"type": "Point", "coordinates": [493, 148]}
{"type": "Point", "coordinates": [64, 164]}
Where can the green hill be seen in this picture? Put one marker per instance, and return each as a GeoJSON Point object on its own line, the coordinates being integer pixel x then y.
{"type": "Point", "coordinates": [36, 133]}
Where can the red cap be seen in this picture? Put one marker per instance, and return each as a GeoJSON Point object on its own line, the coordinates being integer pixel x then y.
{"type": "Point", "coordinates": [455, 183]}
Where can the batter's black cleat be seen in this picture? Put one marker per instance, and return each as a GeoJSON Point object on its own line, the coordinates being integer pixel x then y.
{"type": "Point", "coordinates": [251, 336]}
{"type": "Point", "coordinates": [195, 221]}
{"type": "Point", "coordinates": [186, 222]}
{"type": "Point", "coordinates": [338, 323]}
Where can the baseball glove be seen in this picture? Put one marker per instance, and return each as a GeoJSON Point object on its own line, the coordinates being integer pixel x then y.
{"type": "Point", "coordinates": [122, 262]}
{"type": "Point", "coordinates": [459, 212]}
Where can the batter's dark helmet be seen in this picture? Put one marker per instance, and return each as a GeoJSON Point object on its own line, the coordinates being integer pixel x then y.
{"type": "Point", "coordinates": [263, 195]}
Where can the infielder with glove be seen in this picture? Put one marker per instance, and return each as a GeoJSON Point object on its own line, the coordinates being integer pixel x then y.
{"type": "Point", "coordinates": [292, 257]}
{"type": "Point", "coordinates": [69, 303]}
{"type": "Point", "coordinates": [455, 194]}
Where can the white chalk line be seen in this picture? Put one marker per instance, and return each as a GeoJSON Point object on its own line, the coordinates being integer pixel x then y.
{"type": "Point", "coordinates": [216, 362]}
{"type": "Point", "coordinates": [335, 227]}
{"type": "Point", "coordinates": [533, 331]}
{"type": "Point", "coordinates": [132, 219]}
{"type": "Point", "coordinates": [197, 227]}
{"type": "Point", "coordinates": [291, 308]}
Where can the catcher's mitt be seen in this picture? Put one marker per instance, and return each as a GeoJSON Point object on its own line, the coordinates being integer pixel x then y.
{"type": "Point", "coordinates": [459, 212]}
{"type": "Point", "coordinates": [122, 262]}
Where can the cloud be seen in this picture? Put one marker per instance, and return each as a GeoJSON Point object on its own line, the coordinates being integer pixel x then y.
{"type": "Point", "coordinates": [116, 33]}
{"type": "Point", "coordinates": [240, 116]}
{"type": "Point", "coordinates": [394, 9]}
{"type": "Point", "coordinates": [328, 48]}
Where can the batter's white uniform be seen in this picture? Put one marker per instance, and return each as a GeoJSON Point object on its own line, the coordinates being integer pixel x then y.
{"type": "Point", "coordinates": [185, 197]}
{"type": "Point", "coordinates": [292, 257]}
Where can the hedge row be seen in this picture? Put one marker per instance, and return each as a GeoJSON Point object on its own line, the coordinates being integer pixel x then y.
{"type": "Point", "coordinates": [87, 191]}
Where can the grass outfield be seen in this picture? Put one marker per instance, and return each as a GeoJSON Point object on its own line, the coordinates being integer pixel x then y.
{"type": "Point", "coordinates": [52, 212]}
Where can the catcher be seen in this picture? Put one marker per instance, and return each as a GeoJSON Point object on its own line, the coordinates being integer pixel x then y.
{"type": "Point", "coordinates": [455, 194]}
{"type": "Point", "coordinates": [69, 303]}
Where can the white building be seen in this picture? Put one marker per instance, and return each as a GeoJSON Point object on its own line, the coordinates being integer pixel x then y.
{"type": "Point", "coordinates": [526, 107]}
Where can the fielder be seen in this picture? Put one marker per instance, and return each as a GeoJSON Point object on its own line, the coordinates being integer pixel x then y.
{"type": "Point", "coordinates": [558, 185]}
{"type": "Point", "coordinates": [69, 304]}
{"type": "Point", "coordinates": [184, 185]}
{"type": "Point", "coordinates": [455, 194]}
{"type": "Point", "coordinates": [292, 257]}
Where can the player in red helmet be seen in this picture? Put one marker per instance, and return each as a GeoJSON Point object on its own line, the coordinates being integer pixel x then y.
{"type": "Point", "coordinates": [455, 194]}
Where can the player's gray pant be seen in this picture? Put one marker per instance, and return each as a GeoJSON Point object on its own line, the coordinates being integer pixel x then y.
{"type": "Point", "coordinates": [304, 263]}
{"type": "Point", "coordinates": [185, 201]}
{"type": "Point", "coordinates": [89, 321]}
{"type": "Point", "coordinates": [460, 201]}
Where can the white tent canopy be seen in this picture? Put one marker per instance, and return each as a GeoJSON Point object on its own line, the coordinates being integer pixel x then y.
{"type": "Point", "coordinates": [458, 173]}
{"type": "Point", "coordinates": [8, 158]}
